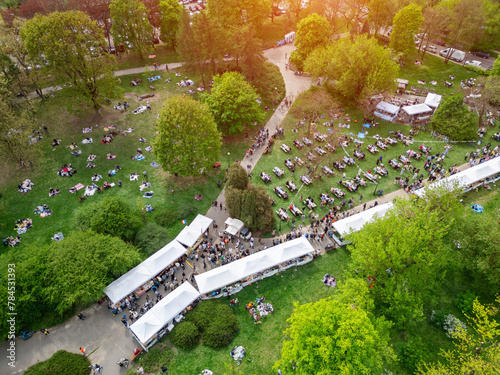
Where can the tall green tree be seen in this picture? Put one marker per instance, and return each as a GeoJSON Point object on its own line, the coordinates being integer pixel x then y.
{"type": "Point", "coordinates": [130, 25]}
{"type": "Point", "coordinates": [235, 13]}
{"type": "Point", "coordinates": [188, 141]}
{"type": "Point", "coordinates": [313, 32]}
{"type": "Point", "coordinates": [73, 47]}
{"type": "Point", "coordinates": [380, 14]}
{"type": "Point", "coordinates": [237, 177]}
{"type": "Point", "coordinates": [328, 337]}
{"type": "Point", "coordinates": [233, 102]}
{"type": "Point", "coordinates": [171, 12]}
{"type": "Point", "coordinates": [358, 67]}
{"type": "Point", "coordinates": [397, 252]}
{"type": "Point", "coordinates": [406, 25]}
{"type": "Point", "coordinates": [453, 119]}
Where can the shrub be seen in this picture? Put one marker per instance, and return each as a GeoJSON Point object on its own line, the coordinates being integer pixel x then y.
{"type": "Point", "coordinates": [151, 238]}
{"type": "Point", "coordinates": [168, 218]}
{"type": "Point", "coordinates": [453, 326]}
{"type": "Point", "coordinates": [412, 353]}
{"type": "Point", "coordinates": [477, 70]}
{"type": "Point", "coordinates": [269, 82]}
{"type": "Point", "coordinates": [216, 321]}
{"type": "Point", "coordinates": [438, 317]}
{"type": "Point", "coordinates": [61, 362]}
{"type": "Point", "coordinates": [111, 216]}
{"type": "Point", "coordinates": [465, 302]}
{"type": "Point", "coordinates": [156, 358]}
{"type": "Point", "coordinates": [185, 335]}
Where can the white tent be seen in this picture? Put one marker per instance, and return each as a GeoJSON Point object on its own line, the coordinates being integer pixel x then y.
{"type": "Point", "coordinates": [258, 262]}
{"type": "Point", "coordinates": [188, 236]}
{"type": "Point", "coordinates": [201, 224]}
{"type": "Point", "coordinates": [416, 109]}
{"type": "Point", "coordinates": [433, 100]}
{"type": "Point", "coordinates": [145, 271]}
{"type": "Point", "coordinates": [356, 222]}
{"type": "Point", "coordinates": [290, 37]}
{"type": "Point", "coordinates": [164, 312]}
{"type": "Point", "coordinates": [469, 176]}
{"type": "Point", "coordinates": [233, 226]}
{"type": "Point", "coordinates": [386, 111]}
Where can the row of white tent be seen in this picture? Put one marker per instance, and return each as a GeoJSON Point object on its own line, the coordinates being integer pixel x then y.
{"type": "Point", "coordinates": [389, 111]}
{"type": "Point", "coordinates": [167, 309]}
{"type": "Point", "coordinates": [156, 263]}
{"type": "Point", "coordinates": [467, 177]}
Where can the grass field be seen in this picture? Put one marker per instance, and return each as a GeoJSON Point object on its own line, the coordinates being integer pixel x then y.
{"type": "Point", "coordinates": [164, 55]}
{"type": "Point", "coordinates": [277, 157]}
{"type": "Point", "coordinates": [68, 128]}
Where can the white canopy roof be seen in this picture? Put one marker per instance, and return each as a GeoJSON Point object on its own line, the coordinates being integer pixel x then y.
{"type": "Point", "coordinates": [201, 224]}
{"type": "Point", "coordinates": [233, 226]}
{"type": "Point", "coordinates": [469, 176]}
{"type": "Point", "coordinates": [388, 107]}
{"type": "Point", "coordinates": [416, 109]}
{"type": "Point", "coordinates": [356, 222]}
{"type": "Point", "coordinates": [164, 311]}
{"type": "Point", "coordinates": [258, 262]}
{"type": "Point", "coordinates": [145, 271]}
{"type": "Point", "coordinates": [188, 236]}
{"type": "Point", "coordinates": [433, 100]}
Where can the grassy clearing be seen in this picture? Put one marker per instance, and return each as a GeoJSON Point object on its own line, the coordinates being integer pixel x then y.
{"type": "Point", "coordinates": [277, 157]}
{"type": "Point", "coordinates": [433, 68]}
{"type": "Point", "coordinates": [164, 55]}
{"type": "Point", "coordinates": [274, 31]}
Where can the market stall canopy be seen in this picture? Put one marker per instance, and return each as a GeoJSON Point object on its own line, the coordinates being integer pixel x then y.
{"type": "Point", "coordinates": [188, 236]}
{"type": "Point", "coordinates": [416, 109]}
{"type": "Point", "coordinates": [233, 226]}
{"type": "Point", "coordinates": [467, 177]}
{"type": "Point", "coordinates": [356, 222]}
{"type": "Point", "coordinates": [433, 100]}
{"type": "Point", "coordinates": [201, 224]}
{"type": "Point", "coordinates": [252, 264]}
{"type": "Point", "coordinates": [388, 107]}
{"type": "Point", "coordinates": [164, 312]}
{"type": "Point", "coordinates": [145, 271]}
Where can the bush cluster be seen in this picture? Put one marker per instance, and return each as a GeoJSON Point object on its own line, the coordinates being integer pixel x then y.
{"type": "Point", "coordinates": [151, 238]}
{"type": "Point", "coordinates": [168, 218]}
{"type": "Point", "coordinates": [185, 335]}
{"type": "Point", "coordinates": [61, 362]}
{"type": "Point", "coordinates": [216, 321]}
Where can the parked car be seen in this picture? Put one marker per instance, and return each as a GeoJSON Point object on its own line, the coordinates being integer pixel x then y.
{"type": "Point", "coordinates": [431, 48]}
{"type": "Point", "coordinates": [456, 55]}
{"type": "Point", "coordinates": [484, 55]}
{"type": "Point", "coordinates": [439, 42]}
{"type": "Point", "coordinates": [422, 36]}
{"type": "Point", "coordinates": [473, 63]}
{"type": "Point", "coordinates": [245, 234]}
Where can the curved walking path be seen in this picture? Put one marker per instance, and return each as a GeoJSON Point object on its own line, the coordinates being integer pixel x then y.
{"type": "Point", "coordinates": [105, 338]}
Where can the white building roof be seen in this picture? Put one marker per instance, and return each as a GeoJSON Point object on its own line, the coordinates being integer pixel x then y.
{"type": "Point", "coordinates": [201, 224]}
{"type": "Point", "coordinates": [388, 107]}
{"type": "Point", "coordinates": [247, 266]}
{"type": "Point", "coordinates": [164, 312]}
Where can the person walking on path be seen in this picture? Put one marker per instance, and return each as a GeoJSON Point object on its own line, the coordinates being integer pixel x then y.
{"type": "Point", "coordinates": [82, 350]}
{"type": "Point", "coordinates": [81, 316]}
{"type": "Point", "coordinates": [360, 198]}
{"type": "Point", "coordinates": [45, 331]}
{"type": "Point", "coordinates": [124, 321]}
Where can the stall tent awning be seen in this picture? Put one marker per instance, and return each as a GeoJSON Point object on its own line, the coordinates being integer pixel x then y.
{"type": "Point", "coordinates": [467, 177]}
{"type": "Point", "coordinates": [433, 100]}
{"type": "Point", "coordinates": [188, 236]}
{"type": "Point", "coordinates": [356, 222]}
{"type": "Point", "coordinates": [258, 262]}
{"type": "Point", "coordinates": [416, 109]}
{"type": "Point", "coordinates": [164, 312]}
{"type": "Point", "coordinates": [201, 224]}
{"type": "Point", "coordinates": [233, 226]}
{"type": "Point", "coordinates": [145, 271]}
{"type": "Point", "coordinates": [388, 107]}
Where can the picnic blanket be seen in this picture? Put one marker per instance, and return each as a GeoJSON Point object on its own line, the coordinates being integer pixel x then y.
{"type": "Point", "coordinates": [148, 194]}
{"type": "Point", "coordinates": [477, 208]}
{"type": "Point", "coordinates": [87, 130]}
{"type": "Point", "coordinates": [134, 177]}
{"type": "Point", "coordinates": [139, 157]}
{"type": "Point", "coordinates": [58, 237]}
{"type": "Point", "coordinates": [43, 210]}
{"type": "Point", "coordinates": [77, 187]}
{"type": "Point", "coordinates": [90, 190]}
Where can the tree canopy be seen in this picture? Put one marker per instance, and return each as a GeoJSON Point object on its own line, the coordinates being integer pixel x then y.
{"type": "Point", "coordinates": [313, 32]}
{"type": "Point", "coordinates": [73, 48]}
{"type": "Point", "coordinates": [188, 141]}
{"type": "Point", "coordinates": [233, 102]}
{"type": "Point", "coordinates": [406, 25]}
{"type": "Point", "coordinates": [358, 67]}
{"type": "Point", "coordinates": [130, 25]}
{"type": "Point", "coordinates": [328, 337]}
{"type": "Point", "coordinates": [453, 119]}
{"type": "Point", "coordinates": [171, 12]}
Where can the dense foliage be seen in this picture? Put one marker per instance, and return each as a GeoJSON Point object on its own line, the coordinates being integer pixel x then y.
{"type": "Point", "coordinates": [151, 238]}
{"type": "Point", "coordinates": [187, 141]}
{"type": "Point", "coordinates": [111, 216]}
{"type": "Point", "coordinates": [453, 119]}
{"type": "Point", "coordinates": [61, 362]}
{"type": "Point", "coordinates": [185, 335]}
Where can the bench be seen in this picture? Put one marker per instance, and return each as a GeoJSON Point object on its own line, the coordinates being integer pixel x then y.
{"type": "Point", "coordinates": [134, 356]}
